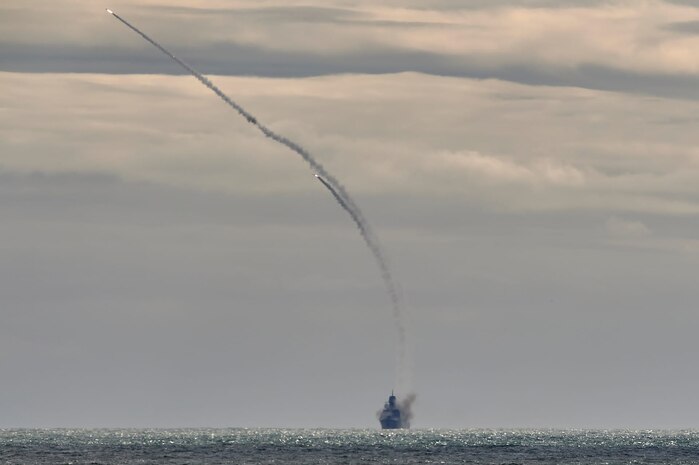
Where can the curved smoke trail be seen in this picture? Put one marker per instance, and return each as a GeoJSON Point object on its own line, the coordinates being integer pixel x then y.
{"type": "Point", "coordinates": [330, 182]}
{"type": "Point", "coordinates": [373, 245]}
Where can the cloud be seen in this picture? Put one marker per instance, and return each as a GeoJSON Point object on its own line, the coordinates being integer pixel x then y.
{"type": "Point", "coordinates": [621, 228]}
{"type": "Point", "coordinates": [137, 207]}
{"type": "Point", "coordinates": [620, 45]}
{"type": "Point", "coordinates": [470, 165]}
{"type": "Point", "coordinates": [673, 239]}
{"type": "Point", "coordinates": [685, 27]}
{"type": "Point", "coordinates": [510, 146]}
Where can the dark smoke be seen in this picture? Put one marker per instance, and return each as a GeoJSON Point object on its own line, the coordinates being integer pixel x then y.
{"type": "Point", "coordinates": [335, 187]}
{"type": "Point", "coordinates": [406, 409]}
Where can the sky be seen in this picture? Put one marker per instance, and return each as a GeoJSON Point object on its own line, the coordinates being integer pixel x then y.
{"type": "Point", "coordinates": [530, 169]}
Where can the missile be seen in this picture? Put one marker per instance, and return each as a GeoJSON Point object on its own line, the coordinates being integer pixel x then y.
{"type": "Point", "coordinates": [332, 190]}
{"type": "Point", "coordinates": [109, 11]}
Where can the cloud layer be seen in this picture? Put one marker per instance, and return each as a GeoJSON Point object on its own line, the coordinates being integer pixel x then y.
{"type": "Point", "coordinates": [509, 146]}
{"type": "Point", "coordinates": [163, 264]}
{"type": "Point", "coordinates": [647, 46]}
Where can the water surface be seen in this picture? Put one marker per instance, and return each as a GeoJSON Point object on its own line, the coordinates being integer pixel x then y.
{"type": "Point", "coordinates": [327, 446]}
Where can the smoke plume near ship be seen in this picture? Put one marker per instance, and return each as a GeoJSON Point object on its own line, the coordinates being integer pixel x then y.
{"type": "Point", "coordinates": [331, 183]}
{"type": "Point", "coordinates": [396, 414]}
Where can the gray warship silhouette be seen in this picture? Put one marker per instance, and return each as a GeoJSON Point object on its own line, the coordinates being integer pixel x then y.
{"type": "Point", "coordinates": [390, 417]}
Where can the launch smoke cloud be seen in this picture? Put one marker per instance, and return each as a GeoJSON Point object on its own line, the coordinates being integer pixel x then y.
{"type": "Point", "coordinates": [329, 181]}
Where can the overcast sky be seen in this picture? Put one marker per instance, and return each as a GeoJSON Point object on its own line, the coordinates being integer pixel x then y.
{"type": "Point", "coordinates": [530, 168]}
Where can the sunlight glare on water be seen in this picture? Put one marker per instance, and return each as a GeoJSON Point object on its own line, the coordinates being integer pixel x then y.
{"type": "Point", "coordinates": [327, 446]}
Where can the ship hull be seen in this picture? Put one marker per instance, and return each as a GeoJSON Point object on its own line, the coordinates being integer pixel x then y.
{"type": "Point", "coordinates": [390, 424]}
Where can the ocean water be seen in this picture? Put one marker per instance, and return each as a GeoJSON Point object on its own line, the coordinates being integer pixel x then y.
{"type": "Point", "coordinates": [326, 446]}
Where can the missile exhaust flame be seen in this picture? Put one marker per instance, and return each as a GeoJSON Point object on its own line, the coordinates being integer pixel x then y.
{"type": "Point", "coordinates": [329, 181]}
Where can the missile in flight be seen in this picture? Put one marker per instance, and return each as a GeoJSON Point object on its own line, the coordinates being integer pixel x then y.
{"type": "Point", "coordinates": [329, 182]}
{"type": "Point", "coordinates": [330, 188]}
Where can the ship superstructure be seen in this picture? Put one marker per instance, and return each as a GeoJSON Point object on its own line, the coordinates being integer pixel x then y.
{"type": "Point", "coordinates": [390, 417]}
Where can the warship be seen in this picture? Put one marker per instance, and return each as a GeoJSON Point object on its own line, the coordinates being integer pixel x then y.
{"type": "Point", "coordinates": [390, 416]}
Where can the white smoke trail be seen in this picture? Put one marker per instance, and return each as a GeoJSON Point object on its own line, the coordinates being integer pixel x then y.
{"type": "Point", "coordinates": [312, 162]}
{"type": "Point", "coordinates": [373, 245]}
{"type": "Point", "coordinates": [338, 191]}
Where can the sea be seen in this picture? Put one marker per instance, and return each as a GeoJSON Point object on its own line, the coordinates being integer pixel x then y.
{"type": "Point", "coordinates": [331, 446]}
